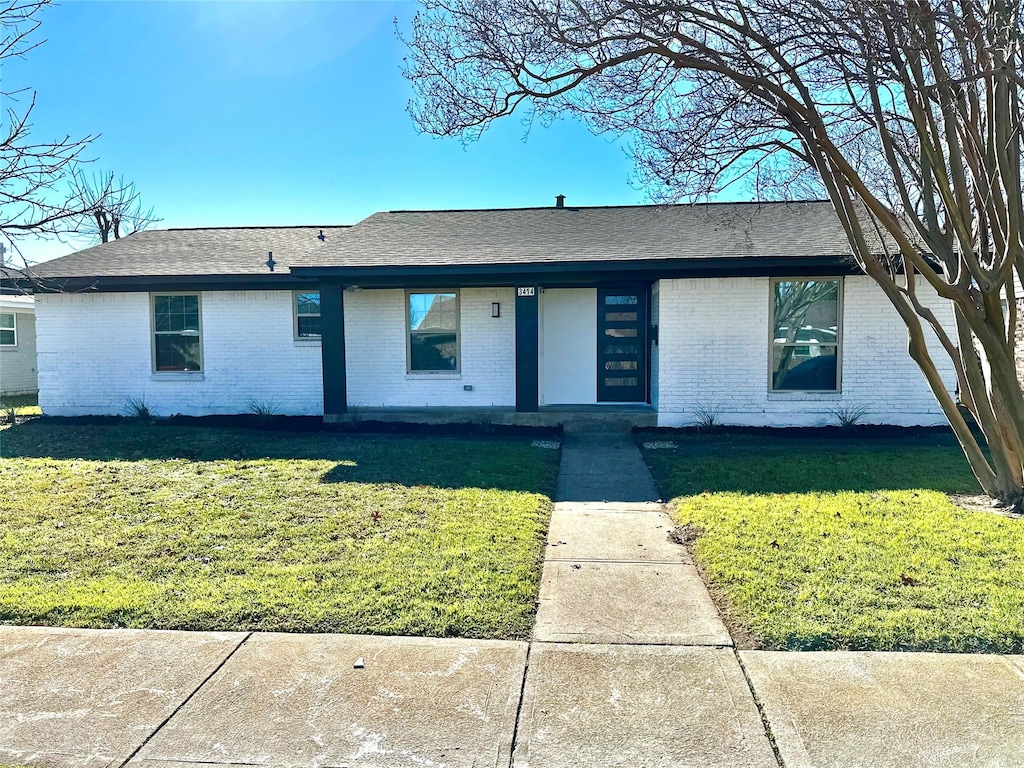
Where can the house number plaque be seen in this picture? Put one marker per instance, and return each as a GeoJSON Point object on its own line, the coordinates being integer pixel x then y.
{"type": "Point", "coordinates": [526, 291]}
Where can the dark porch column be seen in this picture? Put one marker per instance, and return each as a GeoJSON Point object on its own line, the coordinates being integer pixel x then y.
{"type": "Point", "coordinates": [527, 348]}
{"type": "Point", "coordinates": [332, 348]}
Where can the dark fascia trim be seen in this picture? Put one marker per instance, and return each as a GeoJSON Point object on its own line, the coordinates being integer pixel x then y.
{"type": "Point", "coordinates": [282, 281]}
{"type": "Point", "coordinates": [549, 273]}
{"type": "Point", "coordinates": [579, 272]}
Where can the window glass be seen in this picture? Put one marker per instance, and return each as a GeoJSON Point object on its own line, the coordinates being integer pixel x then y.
{"type": "Point", "coordinates": [8, 335]}
{"type": "Point", "coordinates": [177, 342]}
{"type": "Point", "coordinates": [307, 314]}
{"type": "Point", "coordinates": [805, 335]}
{"type": "Point", "coordinates": [433, 331]}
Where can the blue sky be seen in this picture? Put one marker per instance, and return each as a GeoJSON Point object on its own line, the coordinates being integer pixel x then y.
{"type": "Point", "coordinates": [257, 113]}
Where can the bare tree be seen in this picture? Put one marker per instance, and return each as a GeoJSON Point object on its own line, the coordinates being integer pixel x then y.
{"type": "Point", "coordinates": [906, 114]}
{"type": "Point", "coordinates": [33, 173]}
{"type": "Point", "coordinates": [111, 208]}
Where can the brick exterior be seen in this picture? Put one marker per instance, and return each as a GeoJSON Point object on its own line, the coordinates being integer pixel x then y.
{"type": "Point", "coordinates": [713, 352]}
{"type": "Point", "coordinates": [95, 351]}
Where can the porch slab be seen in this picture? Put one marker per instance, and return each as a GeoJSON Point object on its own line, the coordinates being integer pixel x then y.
{"type": "Point", "coordinates": [297, 700]}
{"type": "Point", "coordinates": [583, 532]}
{"type": "Point", "coordinates": [88, 697]}
{"type": "Point", "coordinates": [601, 602]}
{"type": "Point", "coordinates": [604, 705]}
{"type": "Point", "coordinates": [891, 710]}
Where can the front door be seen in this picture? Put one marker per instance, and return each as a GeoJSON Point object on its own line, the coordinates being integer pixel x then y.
{"type": "Point", "coordinates": [622, 345]}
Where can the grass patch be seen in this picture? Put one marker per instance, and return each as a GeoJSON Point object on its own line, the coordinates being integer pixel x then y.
{"type": "Point", "coordinates": [822, 544]}
{"type": "Point", "coordinates": [24, 405]}
{"type": "Point", "coordinates": [192, 528]}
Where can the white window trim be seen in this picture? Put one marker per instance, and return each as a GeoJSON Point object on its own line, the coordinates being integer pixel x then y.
{"type": "Point", "coordinates": [14, 328]}
{"type": "Point", "coordinates": [296, 316]}
{"type": "Point", "coordinates": [153, 333]}
{"type": "Point", "coordinates": [449, 372]}
{"type": "Point", "coordinates": [838, 279]}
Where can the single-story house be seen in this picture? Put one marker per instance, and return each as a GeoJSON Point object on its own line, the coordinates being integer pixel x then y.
{"type": "Point", "coordinates": [752, 312]}
{"type": "Point", "coordinates": [17, 345]}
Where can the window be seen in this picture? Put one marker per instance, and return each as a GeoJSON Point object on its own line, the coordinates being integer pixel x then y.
{"type": "Point", "coordinates": [433, 331]}
{"type": "Point", "coordinates": [307, 315]}
{"type": "Point", "coordinates": [805, 335]}
{"type": "Point", "coordinates": [8, 330]}
{"type": "Point", "coordinates": [177, 340]}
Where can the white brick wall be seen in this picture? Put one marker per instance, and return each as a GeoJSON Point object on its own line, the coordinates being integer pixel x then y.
{"type": "Point", "coordinates": [713, 352]}
{"type": "Point", "coordinates": [95, 352]}
{"type": "Point", "coordinates": [18, 363]}
{"type": "Point", "coordinates": [375, 352]}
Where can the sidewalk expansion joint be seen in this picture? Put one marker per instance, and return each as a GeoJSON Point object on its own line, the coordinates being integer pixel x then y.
{"type": "Point", "coordinates": [519, 707]}
{"type": "Point", "coordinates": [188, 698]}
{"type": "Point", "coordinates": [760, 710]}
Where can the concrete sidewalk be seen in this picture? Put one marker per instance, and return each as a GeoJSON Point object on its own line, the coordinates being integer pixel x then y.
{"type": "Point", "coordinates": [630, 665]}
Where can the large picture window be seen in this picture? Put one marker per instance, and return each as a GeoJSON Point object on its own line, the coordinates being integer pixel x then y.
{"type": "Point", "coordinates": [307, 315]}
{"type": "Point", "coordinates": [433, 331]}
{"type": "Point", "coordinates": [8, 330]}
{"type": "Point", "coordinates": [177, 337]}
{"type": "Point", "coordinates": [805, 335]}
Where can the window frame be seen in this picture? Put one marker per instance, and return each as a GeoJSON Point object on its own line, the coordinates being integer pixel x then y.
{"type": "Point", "coordinates": [840, 295]}
{"type": "Point", "coordinates": [409, 370]}
{"type": "Point", "coordinates": [153, 333]}
{"type": "Point", "coordinates": [14, 327]}
{"type": "Point", "coordinates": [296, 316]}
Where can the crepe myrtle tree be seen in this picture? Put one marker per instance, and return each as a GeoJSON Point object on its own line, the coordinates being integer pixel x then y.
{"type": "Point", "coordinates": [906, 115]}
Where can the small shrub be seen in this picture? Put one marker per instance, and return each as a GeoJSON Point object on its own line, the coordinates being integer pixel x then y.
{"type": "Point", "coordinates": [849, 416]}
{"type": "Point", "coordinates": [354, 415]}
{"type": "Point", "coordinates": [263, 410]}
{"type": "Point", "coordinates": [137, 409]}
{"type": "Point", "coordinates": [706, 417]}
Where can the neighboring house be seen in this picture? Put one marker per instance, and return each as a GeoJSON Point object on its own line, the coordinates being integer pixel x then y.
{"type": "Point", "coordinates": [752, 311]}
{"type": "Point", "coordinates": [17, 345]}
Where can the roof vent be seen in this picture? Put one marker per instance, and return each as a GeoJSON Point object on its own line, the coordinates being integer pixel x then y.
{"type": "Point", "coordinates": [321, 237]}
{"type": "Point", "coordinates": [559, 201]}
{"type": "Point", "coordinates": [270, 261]}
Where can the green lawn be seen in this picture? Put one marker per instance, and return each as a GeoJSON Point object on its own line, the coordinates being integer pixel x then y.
{"type": "Point", "coordinates": [825, 544]}
{"type": "Point", "coordinates": [23, 405]}
{"type": "Point", "coordinates": [198, 528]}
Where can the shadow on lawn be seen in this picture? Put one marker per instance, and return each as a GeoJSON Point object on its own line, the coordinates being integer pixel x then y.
{"type": "Point", "coordinates": [506, 463]}
{"type": "Point", "coordinates": [769, 466]}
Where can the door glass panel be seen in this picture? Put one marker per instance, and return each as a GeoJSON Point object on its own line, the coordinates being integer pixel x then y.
{"type": "Point", "coordinates": [613, 300]}
{"type": "Point", "coordinates": [620, 365]}
{"type": "Point", "coordinates": [621, 382]}
{"type": "Point", "coordinates": [620, 333]}
{"type": "Point", "coordinates": [620, 349]}
{"type": "Point", "coordinates": [621, 317]}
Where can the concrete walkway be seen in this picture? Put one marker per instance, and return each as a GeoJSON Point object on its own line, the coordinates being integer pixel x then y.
{"type": "Point", "coordinates": [630, 665]}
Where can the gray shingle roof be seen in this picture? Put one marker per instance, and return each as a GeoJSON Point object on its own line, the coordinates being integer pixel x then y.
{"type": "Point", "coordinates": [472, 237]}
{"type": "Point", "coordinates": [206, 251]}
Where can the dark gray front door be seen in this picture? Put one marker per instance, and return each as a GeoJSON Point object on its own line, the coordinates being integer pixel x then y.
{"type": "Point", "coordinates": [622, 345]}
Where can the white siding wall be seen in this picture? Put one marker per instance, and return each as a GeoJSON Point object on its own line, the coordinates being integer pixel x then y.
{"type": "Point", "coordinates": [375, 352]}
{"type": "Point", "coordinates": [713, 352]}
{"type": "Point", "coordinates": [18, 363]}
{"type": "Point", "coordinates": [95, 351]}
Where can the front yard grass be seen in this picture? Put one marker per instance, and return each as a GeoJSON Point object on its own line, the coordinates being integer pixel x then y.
{"type": "Point", "coordinates": [821, 544]}
{"type": "Point", "coordinates": [216, 529]}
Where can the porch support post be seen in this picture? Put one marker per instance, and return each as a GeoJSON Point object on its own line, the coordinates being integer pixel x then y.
{"type": "Point", "coordinates": [527, 348]}
{"type": "Point", "coordinates": [332, 349]}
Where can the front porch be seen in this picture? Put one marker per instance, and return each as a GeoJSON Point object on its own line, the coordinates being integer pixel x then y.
{"type": "Point", "coordinates": [638, 415]}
